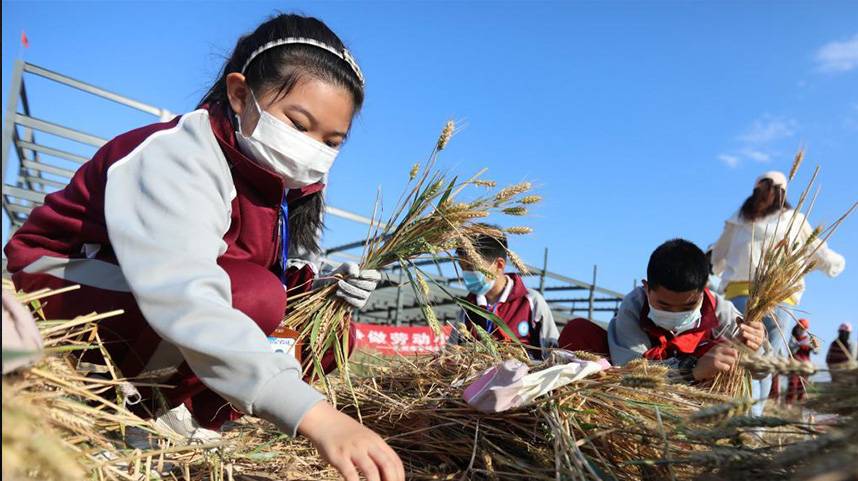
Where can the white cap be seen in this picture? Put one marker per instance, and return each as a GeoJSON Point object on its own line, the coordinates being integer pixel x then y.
{"type": "Point", "coordinates": [777, 178]}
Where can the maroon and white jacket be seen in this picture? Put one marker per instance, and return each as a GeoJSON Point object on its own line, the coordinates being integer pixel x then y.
{"type": "Point", "coordinates": [151, 214]}
{"type": "Point", "coordinates": [524, 310]}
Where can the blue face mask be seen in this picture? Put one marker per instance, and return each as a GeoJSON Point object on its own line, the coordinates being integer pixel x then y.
{"type": "Point", "coordinates": [477, 283]}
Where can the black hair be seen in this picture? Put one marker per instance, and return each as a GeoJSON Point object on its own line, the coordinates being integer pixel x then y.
{"type": "Point", "coordinates": [709, 262]}
{"type": "Point", "coordinates": [282, 68]}
{"type": "Point", "coordinates": [753, 207]}
{"type": "Point", "coordinates": [677, 265]}
{"type": "Point", "coordinates": [489, 247]}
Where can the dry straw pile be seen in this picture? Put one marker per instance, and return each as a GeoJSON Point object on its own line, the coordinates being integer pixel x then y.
{"type": "Point", "coordinates": [612, 426]}
{"type": "Point", "coordinates": [627, 423]}
{"type": "Point", "coordinates": [63, 420]}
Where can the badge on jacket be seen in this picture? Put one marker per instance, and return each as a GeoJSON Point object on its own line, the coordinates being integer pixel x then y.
{"type": "Point", "coordinates": [523, 328]}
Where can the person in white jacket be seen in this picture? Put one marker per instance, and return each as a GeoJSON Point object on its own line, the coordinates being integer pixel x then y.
{"type": "Point", "coordinates": [765, 216]}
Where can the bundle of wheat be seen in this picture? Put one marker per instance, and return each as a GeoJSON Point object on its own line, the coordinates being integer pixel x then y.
{"type": "Point", "coordinates": [429, 219]}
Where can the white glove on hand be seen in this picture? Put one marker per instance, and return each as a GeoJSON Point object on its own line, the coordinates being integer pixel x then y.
{"type": "Point", "coordinates": [356, 285]}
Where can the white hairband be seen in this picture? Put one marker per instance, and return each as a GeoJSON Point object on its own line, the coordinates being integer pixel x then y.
{"type": "Point", "coordinates": [343, 54]}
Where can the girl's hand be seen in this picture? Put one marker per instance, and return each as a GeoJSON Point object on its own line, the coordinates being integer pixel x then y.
{"type": "Point", "coordinates": [354, 285]}
{"type": "Point", "coordinates": [349, 446]}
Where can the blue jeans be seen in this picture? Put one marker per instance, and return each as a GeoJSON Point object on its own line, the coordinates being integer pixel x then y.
{"type": "Point", "coordinates": [777, 335]}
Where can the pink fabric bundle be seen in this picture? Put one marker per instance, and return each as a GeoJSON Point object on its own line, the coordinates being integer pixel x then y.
{"type": "Point", "coordinates": [497, 388]}
{"type": "Point", "coordinates": [510, 384]}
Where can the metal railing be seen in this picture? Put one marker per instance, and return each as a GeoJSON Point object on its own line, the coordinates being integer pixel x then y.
{"type": "Point", "coordinates": [392, 307]}
{"type": "Point", "coordinates": [42, 168]}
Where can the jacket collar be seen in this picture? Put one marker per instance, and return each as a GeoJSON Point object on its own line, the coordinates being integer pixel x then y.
{"type": "Point", "coordinates": [266, 183]}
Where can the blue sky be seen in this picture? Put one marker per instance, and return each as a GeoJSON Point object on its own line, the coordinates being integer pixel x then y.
{"type": "Point", "coordinates": [639, 121]}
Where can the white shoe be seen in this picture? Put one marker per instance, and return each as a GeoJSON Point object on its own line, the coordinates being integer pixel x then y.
{"type": "Point", "coordinates": [180, 421]}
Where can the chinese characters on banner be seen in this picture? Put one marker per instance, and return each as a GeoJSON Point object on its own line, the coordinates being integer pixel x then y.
{"type": "Point", "coordinates": [399, 340]}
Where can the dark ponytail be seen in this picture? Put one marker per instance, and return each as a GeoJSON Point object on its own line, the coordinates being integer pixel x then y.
{"type": "Point", "coordinates": [753, 208]}
{"type": "Point", "coordinates": [281, 68]}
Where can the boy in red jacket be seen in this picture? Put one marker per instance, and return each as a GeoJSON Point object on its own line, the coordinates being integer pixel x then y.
{"type": "Point", "coordinates": [676, 319]}
{"type": "Point", "coordinates": [503, 294]}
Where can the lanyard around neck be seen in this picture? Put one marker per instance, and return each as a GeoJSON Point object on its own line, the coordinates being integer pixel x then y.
{"type": "Point", "coordinates": [284, 237]}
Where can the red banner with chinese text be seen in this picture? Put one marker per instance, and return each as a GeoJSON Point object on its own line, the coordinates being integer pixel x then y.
{"type": "Point", "coordinates": [399, 340]}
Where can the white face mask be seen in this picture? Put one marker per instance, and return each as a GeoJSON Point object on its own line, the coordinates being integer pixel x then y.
{"type": "Point", "coordinates": [297, 158]}
{"type": "Point", "coordinates": [676, 322]}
